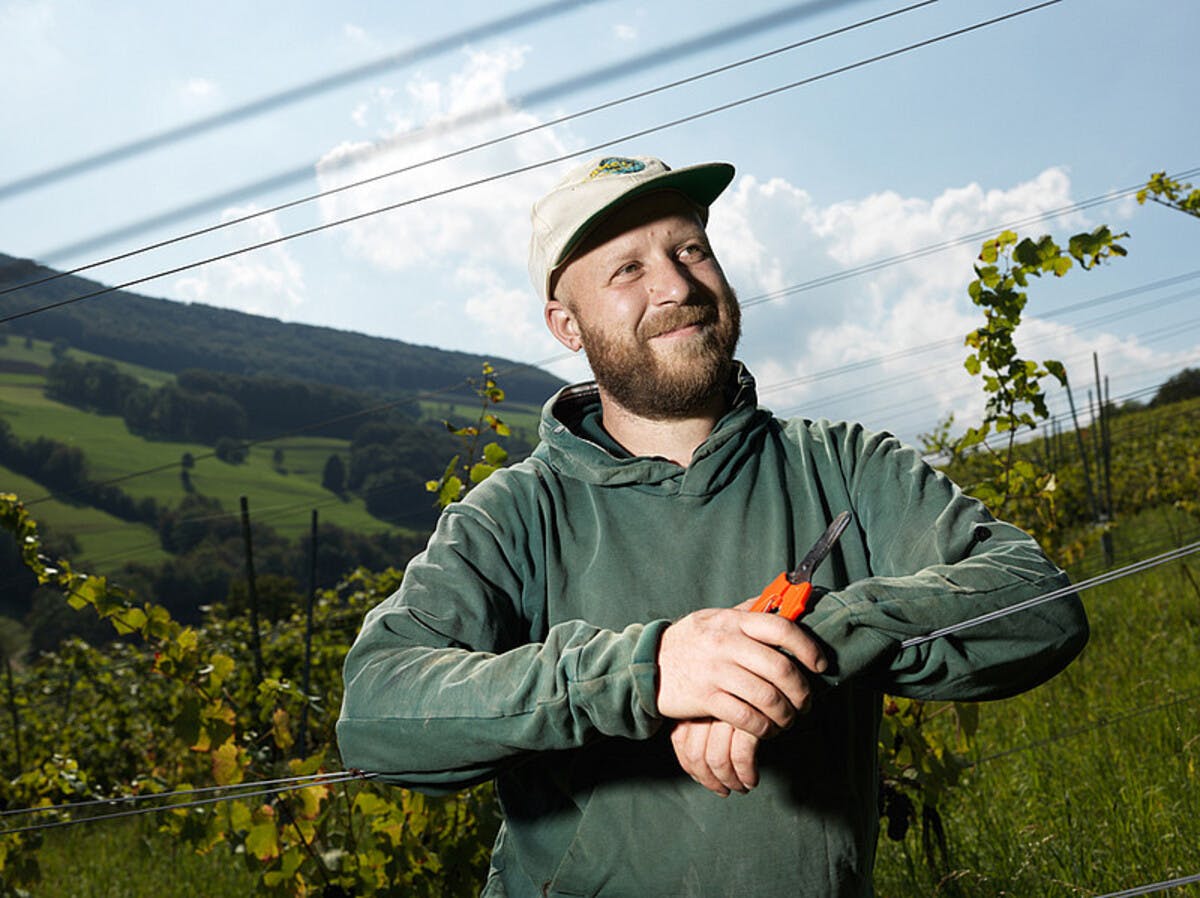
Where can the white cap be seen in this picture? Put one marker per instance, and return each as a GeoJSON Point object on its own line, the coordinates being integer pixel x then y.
{"type": "Point", "coordinates": [565, 215]}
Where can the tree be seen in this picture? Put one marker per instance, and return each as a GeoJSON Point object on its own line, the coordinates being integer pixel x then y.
{"type": "Point", "coordinates": [1183, 385]}
{"type": "Point", "coordinates": [231, 451]}
{"type": "Point", "coordinates": [333, 476]}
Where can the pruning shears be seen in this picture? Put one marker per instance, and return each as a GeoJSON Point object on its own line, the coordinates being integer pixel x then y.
{"type": "Point", "coordinates": [788, 594]}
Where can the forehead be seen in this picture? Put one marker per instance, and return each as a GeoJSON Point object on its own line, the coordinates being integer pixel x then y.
{"type": "Point", "coordinates": [638, 216]}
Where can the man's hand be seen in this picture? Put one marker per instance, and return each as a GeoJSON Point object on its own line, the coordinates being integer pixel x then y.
{"type": "Point", "coordinates": [722, 663]}
{"type": "Point", "coordinates": [717, 756]}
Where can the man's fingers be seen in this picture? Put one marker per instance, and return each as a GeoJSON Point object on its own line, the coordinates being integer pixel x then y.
{"type": "Point", "coordinates": [716, 756]}
{"type": "Point", "coordinates": [743, 751]}
{"type": "Point", "coordinates": [715, 653]}
{"type": "Point", "coordinates": [743, 716]}
{"type": "Point", "coordinates": [689, 739]}
{"type": "Point", "coordinates": [770, 629]}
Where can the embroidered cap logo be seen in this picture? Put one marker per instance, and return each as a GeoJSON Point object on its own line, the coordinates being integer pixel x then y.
{"type": "Point", "coordinates": [617, 165]}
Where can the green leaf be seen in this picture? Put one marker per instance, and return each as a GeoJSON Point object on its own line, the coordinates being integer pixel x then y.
{"type": "Point", "coordinates": [495, 454]}
{"type": "Point", "coordinates": [187, 724]}
{"type": "Point", "coordinates": [450, 492]}
{"type": "Point", "coordinates": [225, 767]}
{"type": "Point", "coordinates": [263, 841]}
{"type": "Point", "coordinates": [481, 471]}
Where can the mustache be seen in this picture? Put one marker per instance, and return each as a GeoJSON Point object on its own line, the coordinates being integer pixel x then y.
{"type": "Point", "coordinates": [681, 316]}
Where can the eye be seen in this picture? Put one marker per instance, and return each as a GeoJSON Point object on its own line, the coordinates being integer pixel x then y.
{"type": "Point", "coordinates": [694, 252]}
{"type": "Point", "coordinates": [627, 270]}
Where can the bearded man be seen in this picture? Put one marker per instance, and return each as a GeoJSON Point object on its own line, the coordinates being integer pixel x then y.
{"type": "Point", "coordinates": [575, 628]}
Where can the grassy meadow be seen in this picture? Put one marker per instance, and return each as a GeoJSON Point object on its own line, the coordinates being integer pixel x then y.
{"type": "Point", "coordinates": [1091, 783]}
{"type": "Point", "coordinates": [131, 859]}
{"type": "Point", "coordinates": [282, 496]}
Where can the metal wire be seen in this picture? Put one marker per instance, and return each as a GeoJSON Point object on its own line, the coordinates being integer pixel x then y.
{"type": "Point", "coordinates": [1100, 580]}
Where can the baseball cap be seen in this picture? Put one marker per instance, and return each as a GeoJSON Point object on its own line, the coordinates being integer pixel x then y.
{"type": "Point", "coordinates": [587, 193]}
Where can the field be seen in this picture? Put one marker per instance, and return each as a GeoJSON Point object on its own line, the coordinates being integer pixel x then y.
{"type": "Point", "coordinates": [1091, 783]}
{"type": "Point", "coordinates": [1087, 786]}
{"type": "Point", "coordinates": [282, 496]}
{"type": "Point", "coordinates": [1084, 787]}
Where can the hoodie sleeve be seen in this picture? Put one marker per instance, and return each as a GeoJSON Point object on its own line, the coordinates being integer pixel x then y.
{"type": "Point", "coordinates": [937, 557]}
{"type": "Point", "coordinates": [443, 687]}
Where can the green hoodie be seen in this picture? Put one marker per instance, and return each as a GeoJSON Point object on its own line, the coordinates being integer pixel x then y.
{"type": "Point", "coordinates": [522, 646]}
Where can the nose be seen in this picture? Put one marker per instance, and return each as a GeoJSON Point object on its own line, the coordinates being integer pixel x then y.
{"type": "Point", "coordinates": [669, 283]}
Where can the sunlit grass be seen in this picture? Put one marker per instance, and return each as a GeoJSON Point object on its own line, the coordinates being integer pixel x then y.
{"type": "Point", "coordinates": [1091, 783]}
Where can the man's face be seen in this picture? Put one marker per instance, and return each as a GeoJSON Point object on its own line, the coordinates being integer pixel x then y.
{"type": "Point", "coordinates": [647, 301]}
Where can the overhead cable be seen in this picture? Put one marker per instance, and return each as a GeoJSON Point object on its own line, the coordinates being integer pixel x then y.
{"type": "Point", "coordinates": [1135, 568]}
{"type": "Point", "coordinates": [622, 69]}
{"type": "Point", "coordinates": [1153, 887]}
{"type": "Point", "coordinates": [428, 50]}
{"type": "Point", "coordinates": [762, 390]}
{"type": "Point", "coordinates": [524, 169]}
{"type": "Point", "coordinates": [294, 783]}
{"type": "Point", "coordinates": [333, 779]}
{"type": "Point", "coordinates": [1090, 727]}
{"type": "Point", "coordinates": [246, 444]}
{"type": "Point", "coordinates": [920, 252]}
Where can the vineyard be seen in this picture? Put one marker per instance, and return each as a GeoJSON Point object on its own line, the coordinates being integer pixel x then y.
{"type": "Point", "coordinates": [212, 746]}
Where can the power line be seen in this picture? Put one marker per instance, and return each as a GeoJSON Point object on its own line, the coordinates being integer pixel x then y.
{"type": "Point", "coordinates": [1153, 887]}
{"type": "Point", "coordinates": [293, 783]}
{"type": "Point", "coordinates": [851, 367]}
{"type": "Point", "coordinates": [816, 376]}
{"type": "Point", "coordinates": [922, 401]}
{"type": "Point", "coordinates": [291, 95]}
{"type": "Point", "coordinates": [1100, 580]}
{"type": "Point", "coordinates": [920, 252]}
{"type": "Point", "coordinates": [254, 787]}
{"type": "Point", "coordinates": [592, 79]}
{"type": "Point", "coordinates": [344, 776]}
{"type": "Point", "coordinates": [247, 444]}
{"type": "Point", "coordinates": [524, 169]}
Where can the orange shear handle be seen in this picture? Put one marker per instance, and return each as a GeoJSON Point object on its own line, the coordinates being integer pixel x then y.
{"type": "Point", "coordinates": [783, 597]}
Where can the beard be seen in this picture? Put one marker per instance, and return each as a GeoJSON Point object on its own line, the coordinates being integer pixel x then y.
{"type": "Point", "coordinates": [680, 382]}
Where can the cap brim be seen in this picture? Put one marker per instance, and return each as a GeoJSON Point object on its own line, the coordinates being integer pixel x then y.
{"type": "Point", "coordinates": [702, 184]}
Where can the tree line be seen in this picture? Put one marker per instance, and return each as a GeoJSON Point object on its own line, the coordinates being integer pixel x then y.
{"type": "Point", "coordinates": [203, 406]}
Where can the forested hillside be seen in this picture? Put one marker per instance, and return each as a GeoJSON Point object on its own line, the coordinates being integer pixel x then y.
{"type": "Point", "coordinates": [173, 336]}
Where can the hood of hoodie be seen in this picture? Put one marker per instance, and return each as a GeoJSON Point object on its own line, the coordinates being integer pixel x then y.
{"type": "Point", "coordinates": [573, 444]}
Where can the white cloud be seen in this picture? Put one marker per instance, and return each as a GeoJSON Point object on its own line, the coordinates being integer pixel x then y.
{"type": "Point", "coordinates": [770, 235]}
{"type": "Point", "coordinates": [625, 33]}
{"type": "Point", "coordinates": [268, 281]}
{"type": "Point", "coordinates": [464, 251]}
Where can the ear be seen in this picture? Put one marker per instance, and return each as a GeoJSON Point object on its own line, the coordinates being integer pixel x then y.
{"type": "Point", "coordinates": [563, 325]}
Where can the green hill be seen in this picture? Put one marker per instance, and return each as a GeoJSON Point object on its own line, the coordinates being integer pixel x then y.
{"type": "Point", "coordinates": [173, 336]}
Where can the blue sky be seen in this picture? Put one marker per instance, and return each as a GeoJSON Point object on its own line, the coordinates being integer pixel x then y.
{"type": "Point", "coordinates": [1061, 105]}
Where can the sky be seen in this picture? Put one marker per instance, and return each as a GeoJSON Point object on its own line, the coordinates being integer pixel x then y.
{"type": "Point", "coordinates": [862, 166]}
